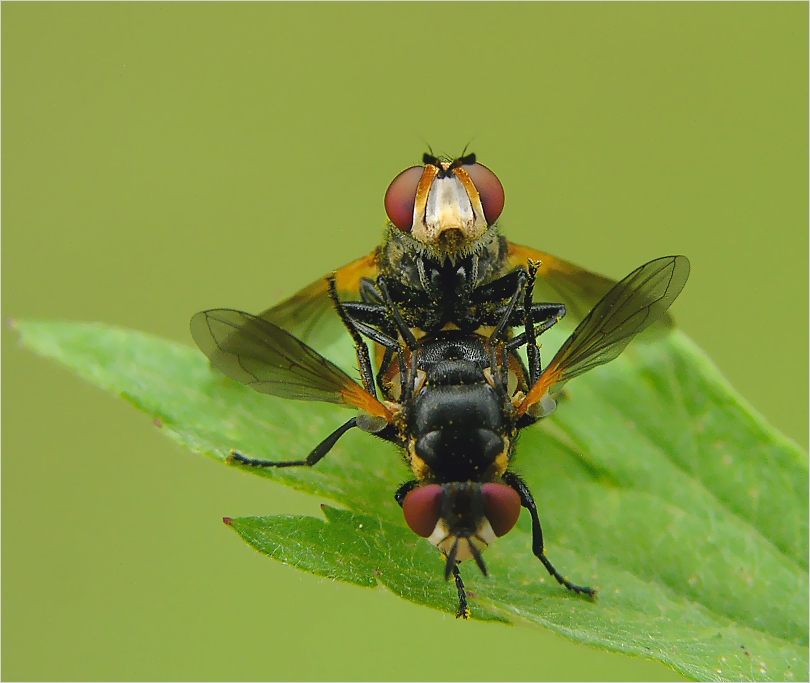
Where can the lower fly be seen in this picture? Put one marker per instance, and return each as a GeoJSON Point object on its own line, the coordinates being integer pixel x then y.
{"type": "Point", "coordinates": [454, 401]}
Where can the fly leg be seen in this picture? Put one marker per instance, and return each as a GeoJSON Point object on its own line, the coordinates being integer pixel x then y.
{"type": "Point", "coordinates": [429, 284]}
{"type": "Point", "coordinates": [553, 313]}
{"type": "Point", "coordinates": [502, 330]}
{"type": "Point", "coordinates": [371, 318]}
{"type": "Point", "coordinates": [544, 317]}
{"type": "Point", "coordinates": [487, 303]}
{"type": "Point", "coordinates": [381, 336]}
{"type": "Point", "coordinates": [463, 611]}
{"type": "Point", "coordinates": [407, 374]}
{"type": "Point", "coordinates": [532, 350]}
{"type": "Point", "coordinates": [403, 329]}
{"type": "Point", "coordinates": [404, 490]}
{"type": "Point", "coordinates": [369, 292]}
{"type": "Point", "coordinates": [527, 501]}
{"type": "Point", "coordinates": [314, 457]}
{"type": "Point", "coordinates": [522, 280]}
{"type": "Point", "coordinates": [363, 358]}
{"type": "Point", "coordinates": [373, 310]}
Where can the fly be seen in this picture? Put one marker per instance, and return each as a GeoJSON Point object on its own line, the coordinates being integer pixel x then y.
{"type": "Point", "coordinates": [454, 401]}
{"type": "Point", "coordinates": [442, 257]}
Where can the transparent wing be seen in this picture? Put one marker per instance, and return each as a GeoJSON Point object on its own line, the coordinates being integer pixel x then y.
{"type": "Point", "coordinates": [633, 304]}
{"type": "Point", "coordinates": [270, 360]}
{"type": "Point", "coordinates": [309, 313]}
{"type": "Point", "coordinates": [564, 282]}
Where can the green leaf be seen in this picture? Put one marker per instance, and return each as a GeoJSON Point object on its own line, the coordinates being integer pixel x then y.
{"type": "Point", "coordinates": [655, 481]}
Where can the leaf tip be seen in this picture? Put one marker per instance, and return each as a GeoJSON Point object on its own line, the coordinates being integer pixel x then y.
{"type": "Point", "coordinates": [158, 422]}
{"type": "Point", "coordinates": [227, 520]}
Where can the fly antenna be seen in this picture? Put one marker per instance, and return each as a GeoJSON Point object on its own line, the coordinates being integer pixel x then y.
{"type": "Point", "coordinates": [477, 557]}
{"type": "Point", "coordinates": [451, 560]}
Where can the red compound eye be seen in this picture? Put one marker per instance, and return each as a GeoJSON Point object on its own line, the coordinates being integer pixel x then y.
{"type": "Point", "coordinates": [401, 196]}
{"type": "Point", "coordinates": [502, 505]}
{"type": "Point", "coordinates": [489, 188]}
{"type": "Point", "coordinates": [422, 508]}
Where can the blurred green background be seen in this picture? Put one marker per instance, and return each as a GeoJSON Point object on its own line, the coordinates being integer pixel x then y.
{"type": "Point", "coordinates": [159, 159]}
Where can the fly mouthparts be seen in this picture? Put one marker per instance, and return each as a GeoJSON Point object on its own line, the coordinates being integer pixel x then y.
{"type": "Point", "coordinates": [454, 552]}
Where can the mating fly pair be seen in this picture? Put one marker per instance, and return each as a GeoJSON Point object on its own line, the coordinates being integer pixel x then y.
{"type": "Point", "coordinates": [441, 296]}
{"type": "Point", "coordinates": [453, 400]}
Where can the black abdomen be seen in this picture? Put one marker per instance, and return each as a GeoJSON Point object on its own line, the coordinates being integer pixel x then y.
{"type": "Point", "coordinates": [457, 429]}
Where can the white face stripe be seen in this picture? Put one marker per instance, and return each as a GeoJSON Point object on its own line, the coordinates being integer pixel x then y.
{"type": "Point", "coordinates": [442, 539]}
{"type": "Point", "coordinates": [448, 207]}
{"type": "Point", "coordinates": [440, 533]}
